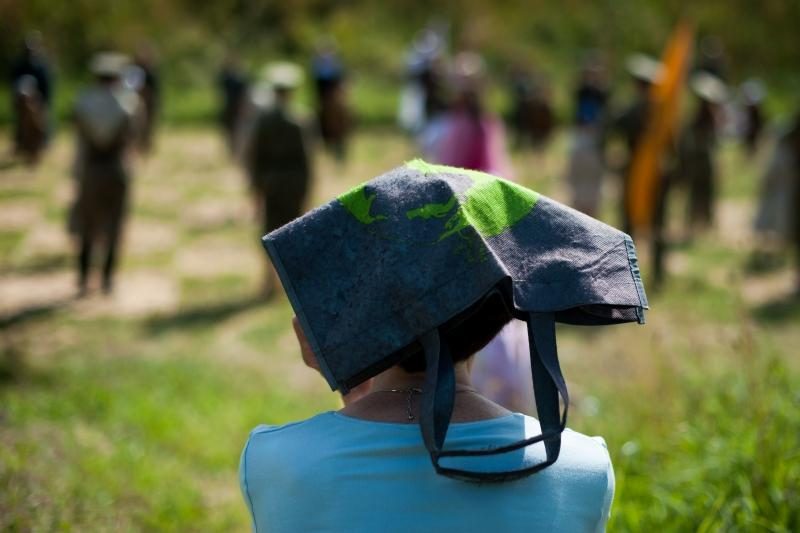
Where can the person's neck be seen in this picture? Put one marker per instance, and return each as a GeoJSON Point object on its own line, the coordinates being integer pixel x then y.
{"type": "Point", "coordinates": [396, 378]}
{"type": "Point", "coordinates": [382, 405]}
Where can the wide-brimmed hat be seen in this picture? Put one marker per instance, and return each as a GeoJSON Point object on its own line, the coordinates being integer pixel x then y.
{"type": "Point", "coordinates": [467, 72]}
{"type": "Point", "coordinates": [282, 75]}
{"type": "Point", "coordinates": [709, 87]}
{"type": "Point", "coordinates": [375, 274]}
{"type": "Point", "coordinates": [753, 90]}
{"type": "Point", "coordinates": [27, 85]}
{"type": "Point", "coordinates": [644, 68]}
{"type": "Point", "coordinates": [108, 64]}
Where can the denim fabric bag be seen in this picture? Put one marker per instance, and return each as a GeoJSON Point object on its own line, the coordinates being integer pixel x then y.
{"type": "Point", "coordinates": [374, 274]}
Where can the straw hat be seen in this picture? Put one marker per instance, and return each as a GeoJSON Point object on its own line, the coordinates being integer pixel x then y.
{"type": "Point", "coordinates": [108, 64]}
{"type": "Point", "coordinates": [283, 75]}
{"type": "Point", "coordinates": [27, 86]}
{"type": "Point", "coordinates": [709, 87]}
{"type": "Point", "coordinates": [467, 71]}
{"type": "Point", "coordinates": [645, 68]}
{"type": "Point", "coordinates": [754, 90]}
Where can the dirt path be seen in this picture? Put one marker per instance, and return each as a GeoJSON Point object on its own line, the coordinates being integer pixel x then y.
{"type": "Point", "coordinates": [214, 256]}
{"type": "Point", "coordinates": [192, 219]}
{"type": "Point", "coordinates": [19, 215]}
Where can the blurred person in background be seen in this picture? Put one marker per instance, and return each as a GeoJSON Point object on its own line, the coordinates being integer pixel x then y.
{"type": "Point", "coordinates": [132, 79]}
{"type": "Point", "coordinates": [753, 93]}
{"type": "Point", "coordinates": [777, 221]}
{"type": "Point", "coordinates": [532, 114]}
{"type": "Point", "coordinates": [31, 83]}
{"type": "Point", "coordinates": [31, 120]}
{"type": "Point", "coordinates": [586, 163]}
{"type": "Point", "coordinates": [632, 121]}
{"type": "Point", "coordinates": [591, 95]}
{"type": "Point", "coordinates": [794, 139]}
{"type": "Point", "coordinates": [106, 131]}
{"type": "Point", "coordinates": [696, 166]}
{"type": "Point", "coordinates": [423, 96]}
{"type": "Point", "coordinates": [332, 113]}
{"type": "Point", "coordinates": [712, 57]}
{"type": "Point", "coordinates": [150, 94]}
{"type": "Point", "coordinates": [232, 82]}
{"type": "Point", "coordinates": [277, 156]}
{"type": "Point", "coordinates": [467, 135]}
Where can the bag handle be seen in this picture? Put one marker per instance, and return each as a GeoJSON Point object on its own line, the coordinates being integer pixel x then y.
{"type": "Point", "coordinates": [438, 397]}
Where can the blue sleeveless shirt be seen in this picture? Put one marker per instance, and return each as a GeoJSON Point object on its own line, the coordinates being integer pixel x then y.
{"type": "Point", "coordinates": [335, 473]}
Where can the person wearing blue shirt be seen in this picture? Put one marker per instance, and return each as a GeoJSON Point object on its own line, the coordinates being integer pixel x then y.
{"type": "Point", "coordinates": [365, 468]}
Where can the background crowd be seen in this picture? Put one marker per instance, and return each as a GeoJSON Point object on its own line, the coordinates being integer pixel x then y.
{"type": "Point", "coordinates": [111, 131]}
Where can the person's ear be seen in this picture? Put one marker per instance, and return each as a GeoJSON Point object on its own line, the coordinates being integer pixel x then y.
{"type": "Point", "coordinates": [305, 348]}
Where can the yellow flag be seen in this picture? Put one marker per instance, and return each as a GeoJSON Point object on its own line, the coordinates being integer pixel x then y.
{"type": "Point", "coordinates": [661, 123]}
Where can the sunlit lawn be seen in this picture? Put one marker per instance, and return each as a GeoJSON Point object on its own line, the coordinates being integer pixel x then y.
{"type": "Point", "coordinates": [129, 413]}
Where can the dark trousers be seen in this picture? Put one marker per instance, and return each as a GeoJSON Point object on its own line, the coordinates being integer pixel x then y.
{"type": "Point", "coordinates": [660, 243]}
{"type": "Point", "coordinates": [109, 263]}
{"type": "Point", "coordinates": [701, 200]}
{"type": "Point", "coordinates": [99, 216]}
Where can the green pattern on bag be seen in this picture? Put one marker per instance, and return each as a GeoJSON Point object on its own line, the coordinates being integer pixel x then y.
{"type": "Point", "coordinates": [491, 205]}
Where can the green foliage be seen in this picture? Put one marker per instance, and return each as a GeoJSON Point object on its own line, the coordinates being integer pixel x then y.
{"type": "Point", "coordinates": [130, 434]}
{"type": "Point", "coordinates": [192, 38]}
{"type": "Point", "coordinates": [729, 463]}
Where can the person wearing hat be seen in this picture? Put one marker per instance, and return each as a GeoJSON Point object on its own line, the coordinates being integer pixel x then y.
{"type": "Point", "coordinates": [532, 117]}
{"type": "Point", "coordinates": [31, 80]}
{"type": "Point", "coordinates": [467, 134]}
{"type": "Point", "coordinates": [104, 118]}
{"type": "Point", "coordinates": [395, 284]}
{"type": "Point", "coordinates": [232, 82]}
{"type": "Point", "coordinates": [696, 146]}
{"type": "Point", "coordinates": [149, 94]}
{"type": "Point", "coordinates": [753, 93]}
{"type": "Point", "coordinates": [631, 122]}
{"type": "Point", "coordinates": [333, 116]}
{"type": "Point", "coordinates": [423, 96]}
{"type": "Point", "coordinates": [777, 220]}
{"type": "Point", "coordinates": [31, 120]}
{"type": "Point", "coordinates": [586, 161]}
{"type": "Point", "coordinates": [276, 154]}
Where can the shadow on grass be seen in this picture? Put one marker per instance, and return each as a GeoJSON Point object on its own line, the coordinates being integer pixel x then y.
{"type": "Point", "coordinates": [760, 263]}
{"type": "Point", "coordinates": [6, 164]}
{"type": "Point", "coordinates": [12, 363]}
{"type": "Point", "coordinates": [781, 310]}
{"type": "Point", "coordinates": [43, 264]}
{"type": "Point", "coordinates": [200, 316]}
{"type": "Point", "coordinates": [27, 314]}
{"type": "Point", "coordinates": [12, 341]}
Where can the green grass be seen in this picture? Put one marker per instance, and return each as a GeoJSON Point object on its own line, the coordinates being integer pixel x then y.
{"type": "Point", "coordinates": [220, 288]}
{"type": "Point", "coordinates": [140, 428]}
{"type": "Point", "coordinates": [119, 421]}
{"type": "Point", "coordinates": [9, 240]}
{"type": "Point", "coordinates": [714, 449]}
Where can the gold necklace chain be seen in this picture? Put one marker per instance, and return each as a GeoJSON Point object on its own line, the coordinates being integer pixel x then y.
{"type": "Point", "coordinates": [411, 391]}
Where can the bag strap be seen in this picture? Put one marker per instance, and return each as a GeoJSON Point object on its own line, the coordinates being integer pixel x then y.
{"type": "Point", "coordinates": [438, 392]}
{"type": "Point", "coordinates": [438, 397]}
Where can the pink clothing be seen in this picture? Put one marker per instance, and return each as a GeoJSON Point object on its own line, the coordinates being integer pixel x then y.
{"type": "Point", "coordinates": [502, 370]}
{"type": "Point", "coordinates": [461, 140]}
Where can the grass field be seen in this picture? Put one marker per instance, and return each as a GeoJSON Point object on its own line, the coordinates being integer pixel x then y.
{"type": "Point", "coordinates": [129, 412]}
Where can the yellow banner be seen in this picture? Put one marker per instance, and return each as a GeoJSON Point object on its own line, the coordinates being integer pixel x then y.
{"type": "Point", "coordinates": [665, 96]}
